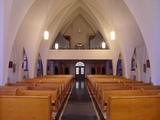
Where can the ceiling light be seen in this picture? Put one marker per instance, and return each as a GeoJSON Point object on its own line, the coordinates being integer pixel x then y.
{"type": "Point", "coordinates": [46, 35]}
{"type": "Point", "coordinates": [103, 45]}
{"type": "Point", "coordinates": [113, 35]}
{"type": "Point", "coordinates": [56, 46]}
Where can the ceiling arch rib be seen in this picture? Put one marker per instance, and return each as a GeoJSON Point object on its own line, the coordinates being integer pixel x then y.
{"type": "Point", "coordinates": [55, 25]}
{"type": "Point", "coordinates": [56, 11]}
{"type": "Point", "coordinates": [70, 12]}
{"type": "Point", "coordinates": [103, 22]}
{"type": "Point", "coordinates": [86, 10]}
{"type": "Point", "coordinates": [85, 16]}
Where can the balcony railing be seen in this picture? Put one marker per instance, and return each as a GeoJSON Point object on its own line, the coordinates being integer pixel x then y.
{"type": "Point", "coordinates": [80, 54]}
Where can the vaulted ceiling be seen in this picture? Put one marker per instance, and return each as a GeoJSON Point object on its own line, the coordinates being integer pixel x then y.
{"type": "Point", "coordinates": [103, 15]}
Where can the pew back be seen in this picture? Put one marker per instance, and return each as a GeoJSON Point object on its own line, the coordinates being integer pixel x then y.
{"type": "Point", "coordinates": [25, 108]}
{"type": "Point", "coordinates": [10, 90]}
{"type": "Point", "coordinates": [134, 108]}
{"type": "Point", "coordinates": [51, 93]}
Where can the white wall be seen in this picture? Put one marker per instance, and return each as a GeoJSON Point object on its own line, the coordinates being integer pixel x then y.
{"type": "Point", "coordinates": [13, 14]}
{"type": "Point", "coordinates": [146, 13]}
{"type": "Point", "coordinates": [129, 35]}
{"type": "Point", "coordinates": [79, 31]}
{"type": "Point", "coordinates": [13, 75]}
{"type": "Point", "coordinates": [30, 35]}
{"type": "Point", "coordinates": [142, 57]}
{"type": "Point", "coordinates": [1, 42]}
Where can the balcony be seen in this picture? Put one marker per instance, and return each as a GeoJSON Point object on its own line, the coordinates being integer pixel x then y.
{"type": "Point", "coordinates": [80, 54]}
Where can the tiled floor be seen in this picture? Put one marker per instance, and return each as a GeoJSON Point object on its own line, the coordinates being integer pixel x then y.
{"type": "Point", "coordinates": [79, 106]}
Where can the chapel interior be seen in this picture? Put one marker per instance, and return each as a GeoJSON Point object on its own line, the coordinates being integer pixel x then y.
{"type": "Point", "coordinates": [79, 60]}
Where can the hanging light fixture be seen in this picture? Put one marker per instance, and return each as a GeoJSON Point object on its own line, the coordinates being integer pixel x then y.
{"type": "Point", "coordinates": [113, 35]}
{"type": "Point", "coordinates": [46, 35]}
{"type": "Point", "coordinates": [103, 45]}
{"type": "Point", "coordinates": [56, 46]}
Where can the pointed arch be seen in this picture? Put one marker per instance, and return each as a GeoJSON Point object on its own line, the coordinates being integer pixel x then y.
{"type": "Point", "coordinates": [80, 64]}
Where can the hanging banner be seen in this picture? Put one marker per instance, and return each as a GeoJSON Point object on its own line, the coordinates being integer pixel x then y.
{"type": "Point", "coordinates": [25, 71]}
{"type": "Point", "coordinates": [119, 66]}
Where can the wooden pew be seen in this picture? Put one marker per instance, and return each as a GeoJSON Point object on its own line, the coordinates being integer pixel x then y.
{"type": "Point", "coordinates": [106, 94]}
{"type": "Point", "coordinates": [29, 85]}
{"type": "Point", "coordinates": [105, 87]}
{"type": "Point", "coordinates": [56, 88]}
{"type": "Point", "coordinates": [150, 91]}
{"type": "Point", "coordinates": [117, 89]}
{"type": "Point", "coordinates": [10, 90]}
{"type": "Point", "coordinates": [61, 83]}
{"type": "Point", "coordinates": [22, 91]}
{"type": "Point", "coordinates": [51, 93]}
{"type": "Point", "coordinates": [51, 86]}
{"type": "Point", "coordinates": [25, 108]}
{"type": "Point", "coordinates": [146, 87]}
{"type": "Point", "coordinates": [58, 76]}
{"type": "Point", "coordinates": [134, 108]}
{"type": "Point", "coordinates": [112, 93]}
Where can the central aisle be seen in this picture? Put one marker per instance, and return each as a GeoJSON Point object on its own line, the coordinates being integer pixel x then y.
{"type": "Point", "coordinates": [79, 106]}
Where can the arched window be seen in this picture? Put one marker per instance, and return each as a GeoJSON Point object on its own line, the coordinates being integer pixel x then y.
{"type": "Point", "coordinates": [80, 64]}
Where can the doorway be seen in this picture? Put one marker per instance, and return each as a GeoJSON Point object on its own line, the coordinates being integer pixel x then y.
{"type": "Point", "coordinates": [80, 71]}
